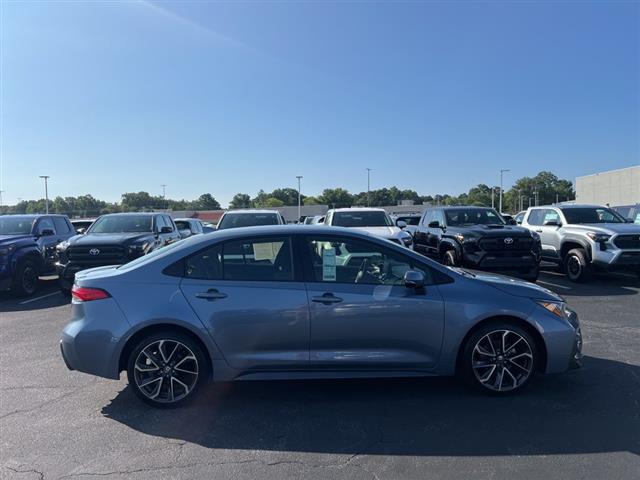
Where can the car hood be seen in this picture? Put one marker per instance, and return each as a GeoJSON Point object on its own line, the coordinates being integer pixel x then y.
{"type": "Point", "coordinates": [385, 232]}
{"type": "Point", "coordinates": [514, 286]}
{"type": "Point", "coordinates": [108, 238]}
{"type": "Point", "coordinates": [608, 228]}
{"type": "Point", "coordinates": [9, 239]}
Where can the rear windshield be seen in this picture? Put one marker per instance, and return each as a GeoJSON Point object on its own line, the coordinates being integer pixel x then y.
{"type": "Point", "coordinates": [591, 215]}
{"type": "Point", "coordinates": [15, 225]}
{"type": "Point", "coordinates": [122, 224]}
{"type": "Point", "coordinates": [235, 220]}
{"type": "Point", "coordinates": [410, 220]}
{"type": "Point", "coordinates": [361, 219]}
{"type": "Point", "coordinates": [182, 225]}
{"type": "Point", "coordinates": [473, 216]}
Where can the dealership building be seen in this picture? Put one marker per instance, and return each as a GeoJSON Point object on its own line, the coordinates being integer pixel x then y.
{"type": "Point", "coordinates": [613, 188]}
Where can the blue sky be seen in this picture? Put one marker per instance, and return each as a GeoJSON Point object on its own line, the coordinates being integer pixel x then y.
{"type": "Point", "coordinates": [227, 97]}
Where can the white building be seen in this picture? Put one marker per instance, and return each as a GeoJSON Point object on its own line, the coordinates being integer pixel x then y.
{"type": "Point", "coordinates": [613, 188]}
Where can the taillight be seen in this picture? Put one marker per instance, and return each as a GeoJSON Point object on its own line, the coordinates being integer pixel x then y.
{"type": "Point", "coordinates": [84, 294]}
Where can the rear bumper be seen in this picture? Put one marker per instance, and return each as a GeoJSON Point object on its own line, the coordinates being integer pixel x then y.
{"type": "Point", "coordinates": [91, 341]}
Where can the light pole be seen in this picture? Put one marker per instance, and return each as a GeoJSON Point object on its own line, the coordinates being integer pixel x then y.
{"type": "Point", "coordinates": [501, 173]}
{"type": "Point", "coordinates": [299, 177]}
{"type": "Point", "coordinates": [164, 195]}
{"type": "Point", "coordinates": [1, 192]}
{"type": "Point", "coordinates": [535, 194]}
{"type": "Point", "coordinates": [46, 192]}
{"type": "Point", "coordinates": [368, 186]}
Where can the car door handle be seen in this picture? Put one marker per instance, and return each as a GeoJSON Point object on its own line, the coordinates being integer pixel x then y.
{"type": "Point", "coordinates": [326, 298]}
{"type": "Point", "coordinates": [539, 231]}
{"type": "Point", "coordinates": [211, 294]}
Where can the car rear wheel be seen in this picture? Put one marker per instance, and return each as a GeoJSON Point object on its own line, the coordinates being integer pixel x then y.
{"type": "Point", "coordinates": [166, 369]}
{"type": "Point", "coordinates": [576, 265]}
{"type": "Point", "coordinates": [25, 282]}
{"type": "Point", "coordinates": [499, 359]}
{"type": "Point", "coordinates": [450, 259]}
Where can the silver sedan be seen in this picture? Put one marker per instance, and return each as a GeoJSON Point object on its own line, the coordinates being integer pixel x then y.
{"type": "Point", "coordinates": [302, 302]}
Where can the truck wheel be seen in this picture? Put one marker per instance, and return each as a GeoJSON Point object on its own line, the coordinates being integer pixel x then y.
{"type": "Point", "coordinates": [533, 274]}
{"type": "Point", "coordinates": [450, 259]}
{"type": "Point", "coordinates": [576, 265]}
{"type": "Point", "coordinates": [25, 280]}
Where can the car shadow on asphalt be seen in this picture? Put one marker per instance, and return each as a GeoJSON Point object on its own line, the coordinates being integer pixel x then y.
{"type": "Point", "coordinates": [591, 410]}
{"type": "Point", "coordinates": [44, 298]}
{"type": "Point", "coordinates": [600, 284]}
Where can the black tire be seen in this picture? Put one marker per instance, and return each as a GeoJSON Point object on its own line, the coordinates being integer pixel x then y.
{"type": "Point", "coordinates": [473, 354]}
{"type": "Point", "coordinates": [25, 280]}
{"type": "Point", "coordinates": [576, 265]}
{"type": "Point", "coordinates": [450, 258]}
{"type": "Point", "coordinates": [167, 377]}
{"type": "Point", "coordinates": [533, 275]}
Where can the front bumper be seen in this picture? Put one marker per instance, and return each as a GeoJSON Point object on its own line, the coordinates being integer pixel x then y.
{"type": "Point", "coordinates": [518, 264]}
{"type": "Point", "coordinates": [563, 340]}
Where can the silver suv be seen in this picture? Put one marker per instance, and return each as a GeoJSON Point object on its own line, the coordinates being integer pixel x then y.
{"type": "Point", "coordinates": [582, 238]}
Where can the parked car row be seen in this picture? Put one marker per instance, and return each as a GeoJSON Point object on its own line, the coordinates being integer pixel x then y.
{"type": "Point", "coordinates": [579, 238]}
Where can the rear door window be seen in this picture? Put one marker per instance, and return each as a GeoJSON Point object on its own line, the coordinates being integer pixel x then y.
{"type": "Point", "coordinates": [536, 217]}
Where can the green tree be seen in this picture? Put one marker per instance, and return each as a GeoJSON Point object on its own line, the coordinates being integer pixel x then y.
{"type": "Point", "coordinates": [240, 200]}
{"type": "Point", "coordinates": [273, 202]}
{"type": "Point", "coordinates": [311, 201]}
{"type": "Point", "coordinates": [288, 196]}
{"type": "Point", "coordinates": [336, 198]}
{"type": "Point", "coordinates": [207, 202]}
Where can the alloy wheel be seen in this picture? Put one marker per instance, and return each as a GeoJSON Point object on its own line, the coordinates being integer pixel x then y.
{"type": "Point", "coordinates": [166, 371]}
{"type": "Point", "coordinates": [502, 360]}
{"type": "Point", "coordinates": [573, 266]}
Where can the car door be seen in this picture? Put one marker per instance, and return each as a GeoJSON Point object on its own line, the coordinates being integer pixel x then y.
{"type": "Point", "coordinates": [421, 234]}
{"type": "Point", "coordinates": [362, 315]}
{"type": "Point", "coordinates": [435, 234]}
{"type": "Point", "coordinates": [48, 239]}
{"type": "Point", "coordinates": [174, 235]}
{"type": "Point", "coordinates": [547, 225]}
{"type": "Point", "coordinates": [253, 302]}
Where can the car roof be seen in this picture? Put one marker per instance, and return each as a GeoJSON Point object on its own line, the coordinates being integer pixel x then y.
{"type": "Point", "coordinates": [572, 205]}
{"type": "Point", "coordinates": [290, 229]}
{"type": "Point", "coordinates": [464, 207]}
{"type": "Point", "coordinates": [145, 214]}
{"type": "Point", "coordinates": [33, 215]}
{"type": "Point", "coordinates": [187, 219]}
{"type": "Point", "coordinates": [251, 210]}
{"type": "Point", "coordinates": [358, 209]}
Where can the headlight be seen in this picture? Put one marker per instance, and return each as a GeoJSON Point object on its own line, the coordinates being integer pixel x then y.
{"type": "Point", "coordinates": [465, 239]}
{"type": "Point", "coordinates": [407, 240]}
{"type": "Point", "coordinates": [7, 250]}
{"type": "Point", "coordinates": [63, 245]}
{"type": "Point", "coordinates": [598, 237]}
{"type": "Point", "coordinates": [559, 309]}
{"type": "Point", "coordinates": [138, 247]}
{"type": "Point", "coordinates": [534, 235]}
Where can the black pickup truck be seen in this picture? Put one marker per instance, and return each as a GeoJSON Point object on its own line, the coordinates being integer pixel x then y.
{"type": "Point", "coordinates": [114, 239]}
{"type": "Point", "coordinates": [478, 238]}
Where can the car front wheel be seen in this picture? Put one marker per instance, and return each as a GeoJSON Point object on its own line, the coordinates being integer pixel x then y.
{"type": "Point", "coordinates": [25, 282]}
{"type": "Point", "coordinates": [576, 265]}
{"type": "Point", "coordinates": [499, 359]}
{"type": "Point", "coordinates": [450, 259]}
{"type": "Point", "coordinates": [166, 369]}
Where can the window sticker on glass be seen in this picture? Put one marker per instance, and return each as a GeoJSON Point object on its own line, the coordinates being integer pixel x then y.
{"type": "Point", "coordinates": [329, 265]}
{"type": "Point", "coordinates": [266, 251]}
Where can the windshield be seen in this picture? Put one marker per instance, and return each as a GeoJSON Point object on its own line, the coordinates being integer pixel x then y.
{"type": "Point", "coordinates": [361, 219]}
{"type": "Point", "coordinates": [182, 225]}
{"type": "Point", "coordinates": [122, 224]}
{"type": "Point", "coordinates": [235, 220]}
{"type": "Point", "coordinates": [473, 216]}
{"type": "Point", "coordinates": [581, 215]}
{"type": "Point", "coordinates": [15, 225]}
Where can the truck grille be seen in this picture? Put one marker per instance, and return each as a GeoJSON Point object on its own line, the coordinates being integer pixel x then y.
{"type": "Point", "coordinates": [498, 244]}
{"type": "Point", "coordinates": [627, 241]}
{"type": "Point", "coordinates": [108, 255]}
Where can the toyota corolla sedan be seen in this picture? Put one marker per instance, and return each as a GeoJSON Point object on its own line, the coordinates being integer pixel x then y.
{"type": "Point", "coordinates": [301, 302]}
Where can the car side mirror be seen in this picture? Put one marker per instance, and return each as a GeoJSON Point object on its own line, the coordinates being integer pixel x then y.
{"type": "Point", "coordinates": [434, 224]}
{"type": "Point", "coordinates": [413, 279]}
{"type": "Point", "coordinates": [551, 223]}
{"type": "Point", "coordinates": [401, 224]}
{"type": "Point", "coordinates": [47, 232]}
{"type": "Point", "coordinates": [511, 221]}
{"type": "Point", "coordinates": [80, 231]}
{"type": "Point", "coordinates": [166, 229]}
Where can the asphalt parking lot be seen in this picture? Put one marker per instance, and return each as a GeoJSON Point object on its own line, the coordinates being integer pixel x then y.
{"type": "Point", "coordinates": [585, 424]}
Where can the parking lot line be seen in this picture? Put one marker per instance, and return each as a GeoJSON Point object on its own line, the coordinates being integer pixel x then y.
{"type": "Point", "coordinates": [555, 285]}
{"type": "Point", "coordinates": [39, 298]}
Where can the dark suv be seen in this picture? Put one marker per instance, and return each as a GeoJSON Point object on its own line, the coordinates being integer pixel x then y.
{"type": "Point", "coordinates": [114, 239]}
{"type": "Point", "coordinates": [479, 238]}
{"type": "Point", "coordinates": [28, 249]}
